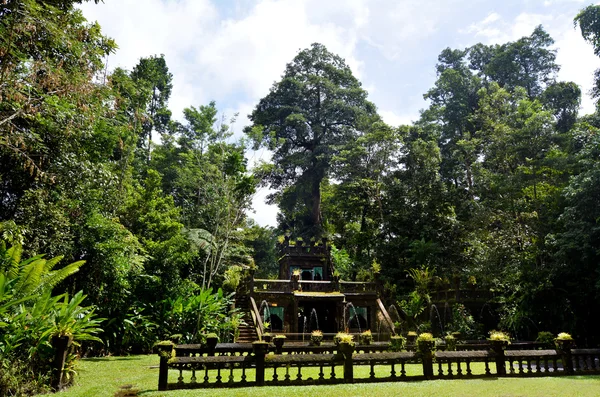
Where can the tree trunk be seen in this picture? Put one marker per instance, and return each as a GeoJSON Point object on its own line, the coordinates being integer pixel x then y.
{"type": "Point", "coordinates": [316, 219]}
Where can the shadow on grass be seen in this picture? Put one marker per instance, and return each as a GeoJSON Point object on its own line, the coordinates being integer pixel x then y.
{"type": "Point", "coordinates": [142, 392]}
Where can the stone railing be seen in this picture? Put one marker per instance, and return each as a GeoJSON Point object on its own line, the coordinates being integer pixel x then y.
{"type": "Point", "coordinates": [283, 286]}
{"type": "Point", "coordinates": [230, 365]}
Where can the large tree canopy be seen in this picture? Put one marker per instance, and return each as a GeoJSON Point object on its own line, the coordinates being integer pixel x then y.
{"type": "Point", "coordinates": [304, 120]}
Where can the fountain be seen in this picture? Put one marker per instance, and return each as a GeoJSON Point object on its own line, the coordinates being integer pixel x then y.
{"type": "Point", "coordinates": [265, 311]}
{"type": "Point", "coordinates": [313, 315]}
{"type": "Point", "coordinates": [304, 327]}
{"type": "Point", "coordinates": [431, 311]}
{"type": "Point", "coordinates": [395, 317]}
{"type": "Point", "coordinates": [348, 319]}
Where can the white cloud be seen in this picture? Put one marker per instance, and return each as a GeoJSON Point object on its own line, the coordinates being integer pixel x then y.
{"type": "Point", "coordinates": [233, 55]}
{"type": "Point", "coordinates": [395, 120]}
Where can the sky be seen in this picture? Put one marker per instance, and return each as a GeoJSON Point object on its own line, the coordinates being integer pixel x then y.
{"type": "Point", "coordinates": [232, 51]}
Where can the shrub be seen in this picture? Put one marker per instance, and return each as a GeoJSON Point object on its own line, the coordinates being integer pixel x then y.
{"type": "Point", "coordinates": [546, 338]}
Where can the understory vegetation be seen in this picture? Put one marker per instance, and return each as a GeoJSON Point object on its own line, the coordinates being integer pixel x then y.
{"type": "Point", "coordinates": [122, 225]}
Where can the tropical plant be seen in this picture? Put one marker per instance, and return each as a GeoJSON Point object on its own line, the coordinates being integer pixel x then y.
{"type": "Point", "coordinates": [564, 336]}
{"type": "Point", "coordinates": [499, 336]}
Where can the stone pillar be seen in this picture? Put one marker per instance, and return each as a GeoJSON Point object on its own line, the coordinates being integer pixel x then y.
{"type": "Point", "coordinates": [346, 350]}
{"type": "Point", "coordinates": [564, 349]}
{"type": "Point", "coordinates": [164, 352]}
{"type": "Point", "coordinates": [260, 350]}
{"type": "Point", "coordinates": [499, 356]}
{"type": "Point", "coordinates": [426, 349]}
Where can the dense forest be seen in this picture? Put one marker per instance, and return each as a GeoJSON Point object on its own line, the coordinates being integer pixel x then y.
{"type": "Point", "coordinates": [121, 225]}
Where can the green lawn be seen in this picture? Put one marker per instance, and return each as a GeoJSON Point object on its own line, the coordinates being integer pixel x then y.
{"type": "Point", "coordinates": [104, 376]}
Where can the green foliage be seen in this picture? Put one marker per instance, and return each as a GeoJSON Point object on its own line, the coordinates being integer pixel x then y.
{"type": "Point", "coordinates": [499, 336]}
{"type": "Point", "coordinates": [30, 317]}
{"type": "Point", "coordinates": [450, 343]}
{"type": "Point", "coordinates": [564, 336]}
{"type": "Point", "coordinates": [547, 338]}
{"type": "Point", "coordinates": [202, 312]}
{"type": "Point", "coordinates": [588, 20]}
{"type": "Point", "coordinates": [341, 262]}
{"type": "Point", "coordinates": [463, 322]}
{"type": "Point", "coordinates": [397, 343]}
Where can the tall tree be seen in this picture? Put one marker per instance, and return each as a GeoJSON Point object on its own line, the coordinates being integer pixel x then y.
{"type": "Point", "coordinates": [153, 77]}
{"type": "Point", "coordinates": [304, 120]}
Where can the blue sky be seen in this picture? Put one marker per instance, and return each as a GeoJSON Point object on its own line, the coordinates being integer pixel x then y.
{"type": "Point", "coordinates": [232, 51]}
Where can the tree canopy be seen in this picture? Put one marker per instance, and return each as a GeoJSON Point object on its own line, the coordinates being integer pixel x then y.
{"type": "Point", "coordinates": [305, 119]}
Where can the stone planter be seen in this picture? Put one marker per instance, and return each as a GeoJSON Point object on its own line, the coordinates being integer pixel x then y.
{"type": "Point", "coordinates": [498, 345]}
{"type": "Point", "coordinates": [211, 342]}
{"type": "Point", "coordinates": [260, 348]}
{"type": "Point", "coordinates": [278, 342]}
{"type": "Point", "coordinates": [346, 348]}
{"type": "Point", "coordinates": [410, 340]}
{"type": "Point", "coordinates": [563, 345]}
{"type": "Point", "coordinates": [365, 339]}
{"type": "Point", "coordinates": [397, 343]}
{"type": "Point", "coordinates": [267, 338]}
{"type": "Point", "coordinates": [426, 346]}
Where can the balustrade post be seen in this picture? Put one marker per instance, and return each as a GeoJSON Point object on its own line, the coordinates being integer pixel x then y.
{"type": "Point", "coordinates": [295, 282]}
{"type": "Point", "coordinates": [426, 351]}
{"type": "Point", "coordinates": [498, 348]}
{"type": "Point", "coordinates": [165, 352]}
{"type": "Point", "coordinates": [346, 349]}
{"type": "Point", "coordinates": [564, 348]}
{"type": "Point", "coordinates": [260, 350]}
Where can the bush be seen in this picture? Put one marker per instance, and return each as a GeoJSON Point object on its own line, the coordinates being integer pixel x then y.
{"type": "Point", "coordinates": [546, 338]}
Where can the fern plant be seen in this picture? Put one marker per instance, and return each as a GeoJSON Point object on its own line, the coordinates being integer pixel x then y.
{"type": "Point", "coordinates": [33, 276]}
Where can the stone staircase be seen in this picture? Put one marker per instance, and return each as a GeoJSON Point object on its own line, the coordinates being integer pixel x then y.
{"type": "Point", "coordinates": [247, 332]}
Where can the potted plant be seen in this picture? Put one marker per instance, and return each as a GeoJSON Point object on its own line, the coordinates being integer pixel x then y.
{"type": "Point", "coordinates": [425, 343]}
{"type": "Point", "coordinates": [260, 347]}
{"type": "Point", "coordinates": [411, 337]}
{"type": "Point", "coordinates": [164, 348]}
{"type": "Point", "coordinates": [366, 337]}
{"type": "Point", "coordinates": [278, 341]}
{"type": "Point", "coordinates": [266, 336]}
{"type": "Point", "coordinates": [397, 343]}
{"type": "Point", "coordinates": [564, 341]}
{"type": "Point", "coordinates": [316, 337]}
{"type": "Point", "coordinates": [499, 340]}
{"type": "Point", "coordinates": [345, 343]}
{"type": "Point", "coordinates": [450, 342]}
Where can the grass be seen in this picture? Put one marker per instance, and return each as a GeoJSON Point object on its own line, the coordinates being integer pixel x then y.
{"type": "Point", "coordinates": [105, 376]}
